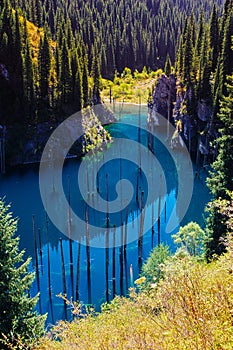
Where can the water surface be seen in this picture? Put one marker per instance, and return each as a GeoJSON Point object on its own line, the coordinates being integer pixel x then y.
{"type": "Point", "coordinates": [94, 275]}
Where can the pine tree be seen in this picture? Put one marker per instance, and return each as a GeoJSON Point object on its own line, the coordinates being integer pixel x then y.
{"type": "Point", "coordinates": [204, 90]}
{"type": "Point", "coordinates": [78, 89]}
{"type": "Point", "coordinates": [95, 72]}
{"type": "Point", "coordinates": [220, 181]}
{"type": "Point", "coordinates": [214, 37]}
{"type": "Point", "coordinates": [18, 59]}
{"type": "Point", "coordinates": [44, 65]}
{"type": "Point", "coordinates": [29, 80]}
{"type": "Point", "coordinates": [65, 77]}
{"type": "Point", "coordinates": [225, 61]}
{"type": "Point", "coordinates": [221, 178]}
{"type": "Point", "coordinates": [201, 31]}
{"type": "Point", "coordinates": [180, 57]}
{"type": "Point", "coordinates": [168, 66]}
{"type": "Point", "coordinates": [85, 83]}
{"type": "Point", "coordinates": [187, 69]}
{"type": "Point", "coordinates": [17, 315]}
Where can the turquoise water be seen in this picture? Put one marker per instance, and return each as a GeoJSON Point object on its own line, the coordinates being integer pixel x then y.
{"type": "Point", "coordinates": [94, 275]}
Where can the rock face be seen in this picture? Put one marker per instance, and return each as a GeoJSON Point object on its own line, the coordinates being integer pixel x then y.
{"type": "Point", "coordinates": [89, 124]}
{"type": "Point", "coordinates": [164, 95]}
{"type": "Point", "coordinates": [170, 99]}
{"type": "Point", "coordinates": [4, 72]}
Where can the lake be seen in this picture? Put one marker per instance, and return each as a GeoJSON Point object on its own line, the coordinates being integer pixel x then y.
{"type": "Point", "coordinates": [94, 265]}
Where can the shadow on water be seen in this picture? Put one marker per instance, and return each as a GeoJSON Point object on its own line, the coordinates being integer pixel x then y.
{"type": "Point", "coordinates": [78, 268]}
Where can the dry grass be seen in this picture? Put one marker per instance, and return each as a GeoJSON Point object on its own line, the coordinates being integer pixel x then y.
{"type": "Point", "coordinates": [191, 308]}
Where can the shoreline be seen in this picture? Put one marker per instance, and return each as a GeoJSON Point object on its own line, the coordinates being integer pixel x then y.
{"type": "Point", "coordinates": [126, 103]}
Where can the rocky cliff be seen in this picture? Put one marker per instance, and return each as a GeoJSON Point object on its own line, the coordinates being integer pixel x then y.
{"type": "Point", "coordinates": [171, 100]}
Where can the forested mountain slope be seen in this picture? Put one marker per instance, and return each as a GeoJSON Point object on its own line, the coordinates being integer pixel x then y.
{"type": "Point", "coordinates": [80, 38]}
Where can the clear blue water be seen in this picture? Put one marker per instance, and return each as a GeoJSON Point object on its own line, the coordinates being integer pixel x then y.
{"type": "Point", "coordinates": [108, 272]}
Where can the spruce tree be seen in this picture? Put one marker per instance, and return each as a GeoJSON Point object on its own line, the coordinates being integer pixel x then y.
{"type": "Point", "coordinates": [29, 80]}
{"type": "Point", "coordinates": [214, 37]}
{"type": "Point", "coordinates": [44, 65]}
{"type": "Point", "coordinates": [204, 90]}
{"type": "Point", "coordinates": [224, 65]}
{"type": "Point", "coordinates": [168, 66]}
{"type": "Point", "coordinates": [201, 31]}
{"type": "Point", "coordinates": [18, 317]}
{"type": "Point", "coordinates": [65, 77]}
{"type": "Point", "coordinates": [78, 89]}
{"type": "Point", "coordinates": [220, 181]}
{"type": "Point", "coordinates": [95, 72]}
{"type": "Point", "coordinates": [221, 178]}
{"type": "Point", "coordinates": [85, 83]}
{"type": "Point", "coordinates": [18, 60]}
{"type": "Point", "coordinates": [187, 69]}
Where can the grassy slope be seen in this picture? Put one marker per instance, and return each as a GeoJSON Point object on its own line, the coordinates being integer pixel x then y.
{"type": "Point", "coordinates": [192, 308]}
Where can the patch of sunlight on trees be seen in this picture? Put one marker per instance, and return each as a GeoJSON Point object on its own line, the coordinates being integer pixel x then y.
{"type": "Point", "coordinates": [134, 87]}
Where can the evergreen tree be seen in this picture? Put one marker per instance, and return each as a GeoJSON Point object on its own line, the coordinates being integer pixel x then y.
{"type": "Point", "coordinates": [214, 37]}
{"type": "Point", "coordinates": [65, 77]}
{"type": "Point", "coordinates": [187, 70]}
{"type": "Point", "coordinates": [17, 315]}
{"type": "Point", "coordinates": [85, 83]}
{"type": "Point", "coordinates": [44, 65]}
{"type": "Point", "coordinates": [18, 60]}
{"type": "Point", "coordinates": [225, 58]}
{"type": "Point", "coordinates": [220, 181]}
{"type": "Point", "coordinates": [29, 80]}
{"type": "Point", "coordinates": [38, 13]}
{"type": "Point", "coordinates": [180, 57]}
{"type": "Point", "coordinates": [201, 31]}
{"type": "Point", "coordinates": [205, 64]}
{"type": "Point", "coordinates": [95, 72]}
{"type": "Point", "coordinates": [168, 66]}
{"type": "Point", "coordinates": [78, 89]}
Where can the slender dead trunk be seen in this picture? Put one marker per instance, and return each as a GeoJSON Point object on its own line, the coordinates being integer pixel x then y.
{"type": "Point", "coordinates": [114, 262]}
{"type": "Point", "coordinates": [159, 209]}
{"type": "Point", "coordinates": [78, 271]}
{"type": "Point", "coordinates": [41, 252]}
{"type": "Point", "coordinates": [107, 265]}
{"type": "Point", "coordinates": [63, 277]}
{"type": "Point", "coordinates": [70, 242]}
{"type": "Point", "coordinates": [140, 236]}
{"type": "Point", "coordinates": [36, 259]}
{"type": "Point", "coordinates": [88, 259]}
{"type": "Point", "coordinates": [153, 227]}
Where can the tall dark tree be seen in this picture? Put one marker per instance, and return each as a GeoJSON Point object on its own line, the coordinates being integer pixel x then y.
{"type": "Point", "coordinates": [225, 60]}
{"type": "Point", "coordinates": [220, 181]}
{"type": "Point", "coordinates": [187, 69]}
{"type": "Point", "coordinates": [95, 72]}
{"type": "Point", "coordinates": [65, 77]}
{"type": "Point", "coordinates": [168, 66]}
{"type": "Point", "coordinates": [78, 96]}
{"type": "Point", "coordinates": [29, 81]}
{"type": "Point", "coordinates": [85, 82]}
{"type": "Point", "coordinates": [18, 317]}
{"type": "Point", "coordinates": [214, 37]}
{"type": "Point", "coordinates": [201, 30]}
{"type": "Point", "coordinates": [44, 65]}
{"type": "Point", "coordinates": [18, 59]}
